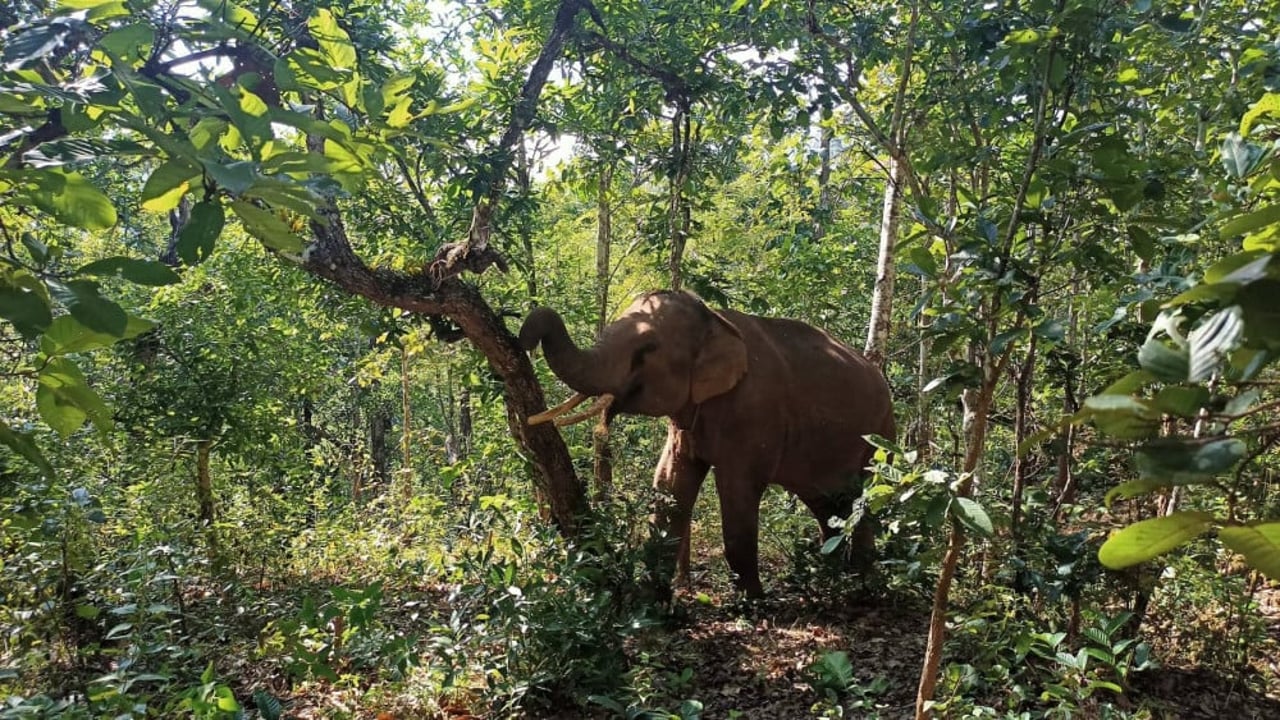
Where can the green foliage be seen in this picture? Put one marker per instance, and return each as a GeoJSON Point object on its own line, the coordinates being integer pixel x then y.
{"type": "Point", "coordinates": [1199, 365]}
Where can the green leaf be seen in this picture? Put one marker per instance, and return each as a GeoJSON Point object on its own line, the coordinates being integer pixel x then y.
{"type": "Point", "coordinates": [67, 335]}
{"type": "Point", "coordinates": [1130, 383]}
{"type": "Point", "coordinates": [1132, 489]}
{"type": "Point", "coordinates": [131, 42]}
{"type": "Point", "coordinates": [972, 516]}
{"type": "Point", "coordinates": [167, 184]}
{"type": "Point", "coordinates": [288, 195]}
{"type": "Point", "coordinates": [1209, 343]}
{"type": "Point", "coordinates": [1147, 539]}
{"type": "Point", "coordinates": [22, 444]}
{"type": "Point", "coordinates": [65, 400]}
{"type": "Point", "coordinates": [86, 304]}
{"type": "Point", "coordinates": [1259, 544]}
{"type": "Point", "coordinates": [195, 241]}
{"type": "Point", "coordinates": [1121, 416]}
{"type": "Point", "coordinates": [234, 177]}
{"type": "Point", "coordinates": [140, 272]}
{"type": "Point", "coordinates": [924, 260]}
{"type": "Point", "coordinates": [1268, 105]}
{"type": "Point", "coordinates": [1178, 462]}
{"type": "Point", "coordinates": [264, 225]}
{"type": "Point", "coordinates": [69, 198]}
{"type": "Point", "coordinates": [1248, 222]}
{"type": "Point", "coordinates": [23, 304]}
{"type": "Point", "coordinates": [1243, 267]}
{"type": "Point", "coordinates": [30, 45]}
{"type": "Point", "coordinates": [1166, 363]}
{"type": "Point", "coordinates": [1239, 156]}
{"type": "Point", "coordinates": [335, 44]}
{"type": "Point", "coordinates": [1026, 36]}
{"type": "Point", "coordinates": [1261, 312]}
{"type": "Point", "coordinates": [1181, 400]}
{"type": "Point", "coordinates": [268, 706]}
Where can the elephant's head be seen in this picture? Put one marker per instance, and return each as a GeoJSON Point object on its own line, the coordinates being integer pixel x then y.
{"type": "Point", "coordinates": [668, 351]}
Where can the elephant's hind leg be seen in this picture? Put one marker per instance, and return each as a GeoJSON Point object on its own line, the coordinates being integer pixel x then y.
{"type": "Point", "coordinates": [678, 478]}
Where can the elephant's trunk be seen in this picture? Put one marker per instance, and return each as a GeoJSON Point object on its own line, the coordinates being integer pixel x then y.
{"type": "Point", "coordinates": [581, 369]}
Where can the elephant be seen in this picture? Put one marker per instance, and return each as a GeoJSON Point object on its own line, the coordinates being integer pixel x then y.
{"type": "Point", "coordinates": [761, 400]}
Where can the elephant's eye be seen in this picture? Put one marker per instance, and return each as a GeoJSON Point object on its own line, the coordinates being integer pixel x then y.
{"type": "Point", "coordinates": [637, 357]}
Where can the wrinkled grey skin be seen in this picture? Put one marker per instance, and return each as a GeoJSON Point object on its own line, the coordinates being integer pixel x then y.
{"type": "Point", "coordinates": [763, 401]}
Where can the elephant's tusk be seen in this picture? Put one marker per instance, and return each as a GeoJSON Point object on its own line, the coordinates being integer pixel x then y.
{"type": "Point", "coordinates": [599, 407]}
{"type": "Point", "coordinates": [558, 410]}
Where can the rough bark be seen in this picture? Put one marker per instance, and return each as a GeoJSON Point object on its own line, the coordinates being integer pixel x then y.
{"type": "Point", "coordinates": [437, 290]}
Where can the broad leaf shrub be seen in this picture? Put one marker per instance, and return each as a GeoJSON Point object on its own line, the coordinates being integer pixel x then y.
{"type": "Point", "coordinates": [1199, 413]}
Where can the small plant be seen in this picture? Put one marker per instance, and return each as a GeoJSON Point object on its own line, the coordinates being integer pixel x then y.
{"type": "Point", "coordinates": [833, 675]}
{"type": "Point", "coordinates": [689, 710]}
{"type": "Point", "coordinates": [1103, 662]}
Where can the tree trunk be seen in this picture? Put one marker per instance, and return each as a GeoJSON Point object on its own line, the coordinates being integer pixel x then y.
{"type": "Point", "coordinates": [465, 424]}
{"type": "Point", "coordinates": [679, 219]}
{"type": "Point", "coordinates": [923, 439]}
{"type": "Point", "coordinates": [882, 296]}
{"type": "Point", "coordinates": [977, 404]}
{"type": "Point", "coordinates": [822, 213]}
{"type": "Point", "coordinates": [602, 454]}
{"type": "Point", "coordinates": [178, 219]}
{"type": "Point", "coordinates": [1021, 465]}
{"type": "Point", "coordinates": [204, 498]}
{"type": "Point", "coordinates": [437, 290]}
{"type": "Point", "coordinates": [406, 430]}
{"type": "Point", "coordinates": [379, 424]}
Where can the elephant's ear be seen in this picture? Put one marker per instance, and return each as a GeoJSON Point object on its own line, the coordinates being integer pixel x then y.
{"type": "Point", "coordinates": [721, 361]}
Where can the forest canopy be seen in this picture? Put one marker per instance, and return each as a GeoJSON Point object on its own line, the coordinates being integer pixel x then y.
{"type": "Point", "coordinates": [265, 438]}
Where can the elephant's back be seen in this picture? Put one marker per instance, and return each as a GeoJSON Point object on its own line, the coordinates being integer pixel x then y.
{"type": "Point", "coordinates": [829, 393]}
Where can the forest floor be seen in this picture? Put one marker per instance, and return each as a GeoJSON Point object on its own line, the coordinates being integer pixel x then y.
{"type": "Point", "coordinates": [752, 662]}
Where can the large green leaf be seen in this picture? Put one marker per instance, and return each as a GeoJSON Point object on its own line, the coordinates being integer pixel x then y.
{"type": "Point", "coordinates": [65, 399]}
{"type": "Point", "coordinates": [1179, 461]}
{"type": "Point", "coordinates": [69, 198]}
{"type": "Point", "coordinates": [1121, 416]}
{"type": "Point", "coordinates": [972, 516]}
{"type": "Point", "coordinates": [264, 225]}
{"type": "Point", "coordinates": [1239, 156]}
{"type": "Point", "coordinates": [86, 304]}
{"type": "Point", "coordinates": [1209, 343]}
{"type": "Point", "coordinates": [195, 241]}
{"type": "Point", "coordinates": [1259, 544]}
{"type": "Point", "coordinates": [1261, 311]}
{"type": "Point", "coordinates": [1249, 222]}
{"type": "Point", "coordinates": [167, 184]}
{"type": "Point", "coordinates": [66, 335]}
{"type": "Point", "coordinates": [141, 272]}
{"type": "Point", "coordinates": [1147, 539]}
{"type": "Point", "coordinates": [335, 45]}
{"type": "Point", "coordinates": [24, 302]}
{"type": "Point", "coordinates": [23, 445]}
{"type": "Point", "coordinates": [1166, 363]}
{"type": "Point", "coordinates": [1181, 400]}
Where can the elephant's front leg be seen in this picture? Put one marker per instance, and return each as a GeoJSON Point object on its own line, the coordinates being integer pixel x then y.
{"type": "Point", "coordinates": [740, 498]}
{"type": "Point", "coordinates": [678, 478]}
